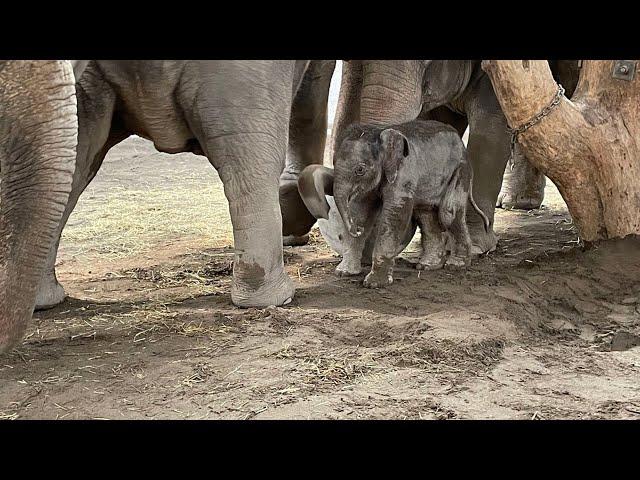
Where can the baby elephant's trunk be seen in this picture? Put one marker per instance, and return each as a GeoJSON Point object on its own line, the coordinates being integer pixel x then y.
{"type": "Point", "coordinates": [485, 220]}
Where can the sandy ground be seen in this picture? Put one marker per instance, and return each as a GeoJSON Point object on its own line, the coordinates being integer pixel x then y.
{"type": "Point", "coordinates": [538, 329]}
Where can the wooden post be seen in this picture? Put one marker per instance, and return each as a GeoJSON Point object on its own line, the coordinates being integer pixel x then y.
{"type": "Point", "coordinates": [589, 145]}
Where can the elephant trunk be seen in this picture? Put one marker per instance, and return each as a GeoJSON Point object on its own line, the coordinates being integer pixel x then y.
{"type": "Point", "coordinates": [342, 199]}
{"type": "Point", "coordinates": [391, 92]}
{"type": "Point", "coordinates": [314, 184]}
{"type": "Point", "coordinates": [38, 140]}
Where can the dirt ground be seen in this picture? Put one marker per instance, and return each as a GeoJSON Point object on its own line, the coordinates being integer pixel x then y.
{"type": "Point", "coordinates": [539, 329]}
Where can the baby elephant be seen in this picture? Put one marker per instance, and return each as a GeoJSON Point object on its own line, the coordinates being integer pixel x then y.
{"type": "Point", "coordinates": [389, 176]}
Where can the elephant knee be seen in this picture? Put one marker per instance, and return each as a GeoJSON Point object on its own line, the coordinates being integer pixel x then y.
{"type": "Point", "coordinates": [447, 216]}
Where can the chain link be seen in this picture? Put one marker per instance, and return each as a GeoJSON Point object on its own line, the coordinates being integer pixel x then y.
{"type": "Point", "coordinates": [514, 132]}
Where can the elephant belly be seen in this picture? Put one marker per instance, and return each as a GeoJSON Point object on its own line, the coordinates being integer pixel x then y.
{"type": "Point", "coordinates": [147, 104]}
{"type": "Point", "coordinates": [163, 127]}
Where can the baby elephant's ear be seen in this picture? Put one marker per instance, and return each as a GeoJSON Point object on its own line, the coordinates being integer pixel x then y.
{"type": "Point", "coordinates": [395, 148]}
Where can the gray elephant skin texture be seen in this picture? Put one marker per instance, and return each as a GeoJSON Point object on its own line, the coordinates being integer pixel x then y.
{"type": "Point", "coordinates": [417, 170]}
{"type": "Point", "coordinates": [457, 92]}
{"type": "Point", "coordinates": [259, 123]}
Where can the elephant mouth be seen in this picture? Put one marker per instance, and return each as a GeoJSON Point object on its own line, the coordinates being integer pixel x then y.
{"type": "Point", "coordinates": [344, 203]}
{"type": "Point", "coordinates": [356, 230]}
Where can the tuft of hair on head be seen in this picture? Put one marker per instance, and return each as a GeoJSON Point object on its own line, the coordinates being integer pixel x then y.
{"type": "Point", "coordinates": [352, 132]}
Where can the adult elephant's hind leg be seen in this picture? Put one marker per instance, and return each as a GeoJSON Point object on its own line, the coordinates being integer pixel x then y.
{"type": "Point", "coordinates": [251, 187]}
{"type": "Point", "coordinates": [488, 152]}
{"type": "Point", "coordinates": [38, 138]}
{"type": "Point", "coordinates": [307, 137]}
{"type": "Point", "coordinates": [243, 126]}
{"type": "Point", "coordinates": [50, 292]}
{"type": "Point", "coordinates": [522, 186]}
{"type": "Point", "coordinates": [96, 136]}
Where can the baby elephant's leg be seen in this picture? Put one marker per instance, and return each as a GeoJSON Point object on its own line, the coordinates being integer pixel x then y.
{"type": "Point", "coordinates": [392, 229]}
{"type": "Point", "coordinates": [384, 253]}
{"type": "Point", "coordinates": [433, 240]}
{"type": "Point", "coordinates": [461, 250]}
{"type": "Point", "coordinates": [452, 213]}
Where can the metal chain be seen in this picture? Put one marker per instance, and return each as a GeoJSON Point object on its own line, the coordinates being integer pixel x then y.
{"type": "Point", "coordinates": [514, 132]}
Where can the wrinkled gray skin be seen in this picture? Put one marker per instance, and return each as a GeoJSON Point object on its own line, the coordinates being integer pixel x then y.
{"type": "Point", "coordinates": [316, 189]}
{"type": "Point", "coordinates": [37, 158]}
{"type": "Point", "coordinates": [237, 113]}
{"type": "Point", "coordinates": [457, 92]}
{"type": "Point", "coordinates": [78, 67]}
{"type": "Point", "coordinates": [307, 137]}
{"type": "Point", "coordinates": [417, 170]}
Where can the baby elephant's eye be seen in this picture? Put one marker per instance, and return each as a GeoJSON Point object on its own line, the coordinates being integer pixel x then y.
{"type": "Point", "coordinates": [360, 169]}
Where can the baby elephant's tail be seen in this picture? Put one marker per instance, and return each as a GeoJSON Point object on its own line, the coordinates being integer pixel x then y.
{"type": "Point", "coordinates": [485, 220]}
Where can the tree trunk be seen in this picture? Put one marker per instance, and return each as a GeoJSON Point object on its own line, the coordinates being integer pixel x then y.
{"type": "Point", "coordinates": [589, 145]}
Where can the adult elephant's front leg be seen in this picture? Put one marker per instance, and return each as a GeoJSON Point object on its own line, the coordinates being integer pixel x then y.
{"type": "Point", "coordinates": [307, 136]}
{"type": "Point", "coordinates": [488, 152]}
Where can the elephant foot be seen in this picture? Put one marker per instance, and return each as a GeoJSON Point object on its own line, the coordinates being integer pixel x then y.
{"type": "Point", "coordinates": [425, 265]}
{"type": "Point", "coordinates": [377, 280]}
{"type": "Point", "coordinates": [431, 261]}
{"type": "Point", "coordinates": [457, 261]}
{"type": "Point", "coordinates": [522, 187]}
{"type": "Point", "coordinates": [251, 288]}
{"type": "Point", "coordinates": [348, 268]}
{"type": "Point", "coordinates": [481, 241]}
{"type": "Point", "coordinates": [508, 201]}
{"type": "Point", "coordinates": [295, 240]}
{"type": "Point", "coordinates": [50, 293]}
{"type": "Point", "coordinates": [433, 257]}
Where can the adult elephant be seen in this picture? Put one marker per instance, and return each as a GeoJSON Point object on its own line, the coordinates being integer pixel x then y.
{"type": "Point", "coordinates": [38, 139]}
{"type": "Point", "coordinates": [458, 92]}
{"type": "Point", "coordinates": [237, 114]}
